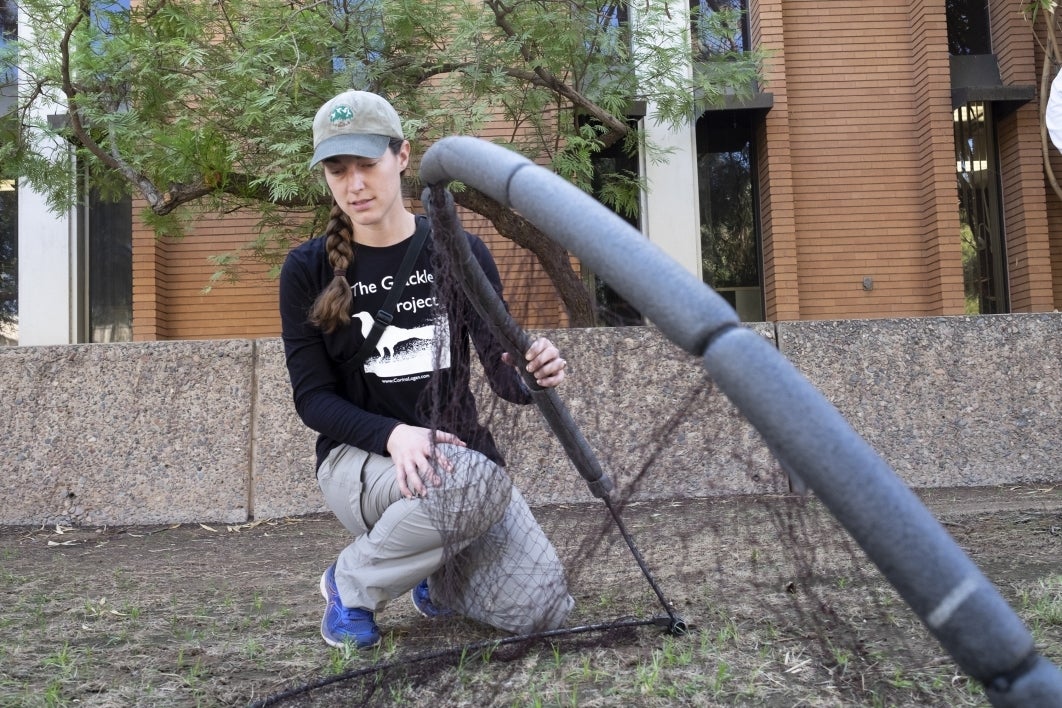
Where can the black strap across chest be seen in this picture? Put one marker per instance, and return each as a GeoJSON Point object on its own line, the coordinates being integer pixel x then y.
{"type": "Point", "coordinates": [386, 313]}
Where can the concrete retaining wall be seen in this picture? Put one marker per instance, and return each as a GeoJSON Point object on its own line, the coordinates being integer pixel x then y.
{"type": "Point", "coordinates": [162, 432]}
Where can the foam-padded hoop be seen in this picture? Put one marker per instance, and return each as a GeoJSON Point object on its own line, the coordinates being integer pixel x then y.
{"type": "Point", "coordinates": [677, 302]}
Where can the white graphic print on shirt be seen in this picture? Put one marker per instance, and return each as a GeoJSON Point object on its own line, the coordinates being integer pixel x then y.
{"type": "Point", "coordinates": [404, 352]}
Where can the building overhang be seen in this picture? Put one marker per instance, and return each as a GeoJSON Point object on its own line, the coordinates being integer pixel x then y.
{"type": "Point", "coordinates": [976, 77]}
{"type": "Point", "coordinates": [758, 101]}
{"type": "Point", "coordinates": [730, 100]}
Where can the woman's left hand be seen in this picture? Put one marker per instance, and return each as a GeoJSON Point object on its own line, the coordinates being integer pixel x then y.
{"type": "Point", "coordinates": [543, 361]}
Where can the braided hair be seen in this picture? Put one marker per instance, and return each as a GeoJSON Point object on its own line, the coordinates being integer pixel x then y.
{"type": "Point", "coordinates": [331, 309]}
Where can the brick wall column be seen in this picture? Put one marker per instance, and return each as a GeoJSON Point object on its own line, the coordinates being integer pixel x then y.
{"type": "Point", "coordinates": [1021, 167]}
{"type": "Point", "coordinates": [148, 264]}
{"type": "Point", "coordinates": [778, 222]}
{"type": "Point", "coordinates": [932, 88]}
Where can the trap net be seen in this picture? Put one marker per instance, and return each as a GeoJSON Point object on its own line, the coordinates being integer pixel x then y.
{"type": "Point", "coordinates": [668, 515]}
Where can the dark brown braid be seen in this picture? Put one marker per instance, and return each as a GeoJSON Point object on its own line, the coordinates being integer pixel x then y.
{"type": "Point", "coordinates": [331, 310]}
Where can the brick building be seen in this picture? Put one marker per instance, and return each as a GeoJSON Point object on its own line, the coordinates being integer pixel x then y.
{"type": "Point", "coordinates": [890, 166]}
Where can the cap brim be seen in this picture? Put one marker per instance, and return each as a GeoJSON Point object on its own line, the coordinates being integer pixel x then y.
{"type": "Point", "coordinates": [371, 146]}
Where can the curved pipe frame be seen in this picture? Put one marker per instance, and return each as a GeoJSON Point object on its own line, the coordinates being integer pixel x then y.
{"type": "Point", "coordinates": [810, 438]}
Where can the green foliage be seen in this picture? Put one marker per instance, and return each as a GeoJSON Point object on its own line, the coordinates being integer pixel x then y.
{"type": "Point", "coordinates": [211, 103]}
{"type": "Point", "coordinates": [1033, 8]}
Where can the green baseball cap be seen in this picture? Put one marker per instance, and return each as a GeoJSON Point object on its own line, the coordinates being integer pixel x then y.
{"type": "Point", "coordinates": [354, 123]}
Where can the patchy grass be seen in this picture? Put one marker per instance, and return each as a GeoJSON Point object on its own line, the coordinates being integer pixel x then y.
{"type": "Point", "coordinates": [215, 616]}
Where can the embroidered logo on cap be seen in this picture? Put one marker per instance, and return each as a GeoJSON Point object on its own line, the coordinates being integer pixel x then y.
{"type": "Point", "coordinates": [341, 116]}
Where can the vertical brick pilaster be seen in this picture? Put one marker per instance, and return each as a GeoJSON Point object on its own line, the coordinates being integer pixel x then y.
{"type": "Point", "coordinates": [932, 105]}
{"type": "Point", "coordinates": [778, 222]}
{"type": "Point", "coordinates": [1028, 243]}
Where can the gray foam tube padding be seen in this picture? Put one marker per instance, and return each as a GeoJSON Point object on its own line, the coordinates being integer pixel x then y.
{"type": "Point", "coordinates": [807, 434]}
{"type": "Point", "coordinates": [665, 292]}
{"type": "Point", "coordinates": [1036, 688]}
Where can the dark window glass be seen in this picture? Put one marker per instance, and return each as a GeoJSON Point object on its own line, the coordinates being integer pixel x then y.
{"type": "Point", "coordinates": [106, 228]}
{"type": "Point", "coordinates": [361, 23]}
{"type": "Point", "coordinates": [615, 14]}
{"type": "Point", "coordinates": [980, 224]}
{"type": "Point", "coordinates": [109, 17]}
{"type": "Point", "coordinates": [613, 17]}
{"type": "Point", "coordinates": [612, 309]}
{"type": "Point", "coordinates": [8, 261]}
{"type": "Point", "coordinates": [730, 242]}
{"type": "Point", "coordinates": [8, 20]}
{"type": "Point", "coordinates": [968, 27]}
{"type": "Point", "coordinates": [106, 12]}
{"type": "Point", "coordinates": [8, 190]}
{"type": "Point", "coordinates": [108, 262]}
{"type": "Point", "coordinates": [977, 173]}
{"type": "Point", "coordinates": [8, 33]}
{"type": "Point", "coordinates": [608, 30]}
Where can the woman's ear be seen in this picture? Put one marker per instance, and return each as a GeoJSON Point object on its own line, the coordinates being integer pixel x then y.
{"type": "Point", "coordinates": [403, 155]}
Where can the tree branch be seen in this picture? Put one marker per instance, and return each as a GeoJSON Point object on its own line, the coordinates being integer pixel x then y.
{"type": "Point", "coordinates": [540, 76]}
{"type": "Point", "coordinates": [234, 184]}
{"type": "Point", "coordinates": [555, 260]}
{"type": "Point", "coordinates": [146, 187]}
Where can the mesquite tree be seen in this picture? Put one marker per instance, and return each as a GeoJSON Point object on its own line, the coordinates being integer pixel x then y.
{"type": "Point", "coordinates": [207, 104]}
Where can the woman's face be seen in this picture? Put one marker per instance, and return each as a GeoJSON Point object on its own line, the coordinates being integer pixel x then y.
{"type": "Point", "coordinates": [368, 190]}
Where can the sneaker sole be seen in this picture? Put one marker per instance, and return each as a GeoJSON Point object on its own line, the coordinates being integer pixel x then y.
{"type": "Point", "coordinates": [413, 599]}
{"type": "Point", "coordinates": [324, 585]}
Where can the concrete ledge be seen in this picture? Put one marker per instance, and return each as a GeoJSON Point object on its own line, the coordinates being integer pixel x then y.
{"type": "Point", "coordinates": [946, 401]}
{"type": "Point", "coordinates": [283, 479]}
{"type": "Point", "coordinates": [650, 412]}
{"type": "Point", "coordinates": [626, 387]}
{"type": "Point", "coordinates": [163, 432]}
{"type": "Point", "coordinates": [149, 432]}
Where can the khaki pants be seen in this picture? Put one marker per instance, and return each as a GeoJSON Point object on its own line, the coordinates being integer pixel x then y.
{"type": "Point", "coordinates": [473, 537]}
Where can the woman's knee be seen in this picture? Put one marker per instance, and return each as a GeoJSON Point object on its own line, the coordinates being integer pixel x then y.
{"type": "Point", "coordinates": [339, 479]}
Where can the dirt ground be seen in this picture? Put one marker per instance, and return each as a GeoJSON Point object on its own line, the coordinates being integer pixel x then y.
{"type": "Point", "coordinates": [781, 608]}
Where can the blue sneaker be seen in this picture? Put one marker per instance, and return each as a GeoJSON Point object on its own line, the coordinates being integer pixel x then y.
{"type": "Point", "coordinates": [422, 601]}
{"type": "Point", "coordinates": [345, 625]}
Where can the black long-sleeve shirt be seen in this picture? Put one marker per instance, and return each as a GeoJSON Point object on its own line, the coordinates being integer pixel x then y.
{"type": "Point", "coordinates": [392, 386]}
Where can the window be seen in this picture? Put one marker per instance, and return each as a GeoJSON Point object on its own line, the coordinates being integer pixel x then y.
{"type": "Point", "coordinates": [610, 29]}
{"type": "Point", "coordinates": [720, 27]}
{"type": "Point", "coordinates": [108, 14]}
{"type": "Point", "coordinates": [968, 27]}
{"type": "Point", "coordinates": [103, 290]}
{"type": "Point", "coordinates": [361, 25]}
{"type": "Point", "coordinates": [613, 164]}
{"type": "Point", "coordinates": [615, 170]}
{"type": "Point", "coordinates": [981, 228]}
{"type": "Point", "coordinates": [8, 188]}
{"type": "Point", "coordinates": [8, 261]}
{"type": "Point", "coordinates": [983, 250]}
{"type": "Point", "coordinates": [8, 21]}
{"type": "Point", "coordinates": [730, 238]}
{"type": "Point", "coordinates": [105, 231]}
{"type": "Point", "coordinates": [613, 14]}
{"type": "Point", "coordinates": [105, 228]}
{"type": "Point", "coordinates": [728, 203]}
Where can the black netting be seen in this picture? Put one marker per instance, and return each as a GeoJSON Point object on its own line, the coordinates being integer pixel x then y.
{"type": "Point", "coordinates": [748, 592]}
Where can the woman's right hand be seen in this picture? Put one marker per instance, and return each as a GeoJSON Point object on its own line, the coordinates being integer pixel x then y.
{"type": "Point", "coordinates": [412, 451]}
